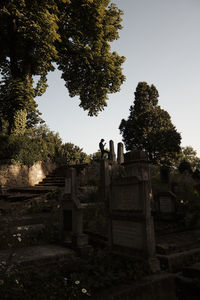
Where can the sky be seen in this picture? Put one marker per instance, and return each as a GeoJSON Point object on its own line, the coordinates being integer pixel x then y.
{"type": "Point", "coordinates": [161, 42]}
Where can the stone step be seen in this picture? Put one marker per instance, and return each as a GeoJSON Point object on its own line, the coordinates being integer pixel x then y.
{"type": "Point", "coordinates": [176, 261]}
{"type": "Point", "coordinates": [20, 197]}
{"type": "Point", "coordinates": [24, 220]}
{"type": "Point", "coordinates": [34, 190]}
{"type": "Point", "coordinates": [46, 184]}
{"type": "Point", "coordinates": [178, 241]}
{"type": "Point", "coordinates": [53, 178]}
{"type": "Point", "coordinates": [52, 182]}
{"type": "Point", "coordinates": [38, 257]}
{"type": "Point", "coordinates": [192, 271]}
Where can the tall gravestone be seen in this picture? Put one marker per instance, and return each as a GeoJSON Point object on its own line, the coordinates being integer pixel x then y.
{"type": "Point", "coordinates": [105, 179]}
{"type": "Point", "coordinates": [120, 153]}
{"type": "Point", "coordinates": [131, 224]}
{"type": "Point", "coordinates": [166, 199]}
{"type": "Point", "coordinates": [112, 155]}
{"type": "Point", "coordinates": [72, 217]}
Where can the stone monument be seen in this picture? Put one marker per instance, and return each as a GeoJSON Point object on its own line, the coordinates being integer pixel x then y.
{"type": "Point", "coordinates": [112, 155]}
{"type": "Point", "coordinates": [120, 153]}
{"type": "Point", "coordinates": [131, 224]}
{"type": "Point", "coordinates": [72, 217]}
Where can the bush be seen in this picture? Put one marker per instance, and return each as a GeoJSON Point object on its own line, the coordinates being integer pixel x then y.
{"type": "Point", "coordinates": [21, 149]}
{"type": "Point", "coordinates": [36, 144]}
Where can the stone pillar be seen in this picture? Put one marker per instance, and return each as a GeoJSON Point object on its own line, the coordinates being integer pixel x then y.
{"type": "Point", "coordinates": [120, 153]}
{"type": "Point", "coordinates": [112, 151]}
{"type": "Point", "coordinates": [105, 179]}
{"type": "Point", "coordinates": [73, 212]}
{"type": "Point", "coordinates": [165, 174]}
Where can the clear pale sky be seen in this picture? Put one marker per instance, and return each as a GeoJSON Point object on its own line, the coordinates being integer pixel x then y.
{"type": "Point", "coordinates": [161, 42]}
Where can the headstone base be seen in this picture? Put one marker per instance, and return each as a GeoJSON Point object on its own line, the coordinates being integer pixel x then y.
{"type": "Point", "coordinates": [79, 240]}
{"type": "Point", "coordinates": [154, 265]}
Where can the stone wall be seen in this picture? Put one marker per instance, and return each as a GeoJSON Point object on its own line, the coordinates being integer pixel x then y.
{"type": "Point", "coordinates": [15, 175]}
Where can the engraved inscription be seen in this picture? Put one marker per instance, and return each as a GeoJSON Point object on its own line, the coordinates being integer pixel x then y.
{"type": "Point", "coordinates": [166, 205]}
{"type": "Point", "coordinates": [126, 197]}
{"type": "Point", "coordinates": [128, 234]}
{"type": "Point", "coordinates": [67, 185]}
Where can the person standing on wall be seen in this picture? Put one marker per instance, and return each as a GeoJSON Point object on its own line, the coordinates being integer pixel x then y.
{"type": "Point", "coordinates": [103, 151]}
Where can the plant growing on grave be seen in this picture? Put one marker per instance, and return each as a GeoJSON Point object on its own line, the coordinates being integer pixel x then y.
{"type": "Point", "coordinates": [38, 285]}
{"type": "Point", "coordinates": [102, 269]}
{"type": "Point", "coordinates": [149, 127]}
{"type": "Point", "coordinates": [78, 281]}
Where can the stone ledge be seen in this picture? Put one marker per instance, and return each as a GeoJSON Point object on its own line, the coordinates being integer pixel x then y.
{"type": "Point", "coordinates": [175, 262]}
{"type": "Point", "coordinates": [38, 256]}
{"type": "Point", "coordinates": [159, 287]}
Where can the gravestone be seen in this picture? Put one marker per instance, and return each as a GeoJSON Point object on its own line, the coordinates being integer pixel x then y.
{"type": "Point", "coordinates": [112, 155]}
{"type": "Point", "coordinates": [131, 224]}
{"type": "Point", "coordinates": [165, 174]}
{"type": "Point", "coordinates": [72, 217]}
{"type": "Point", "coordinates": [166, 205]}
{"type": "Point", "coordinates": [105, 179]}
{"type": "Point", "coordinates": [120, 153]}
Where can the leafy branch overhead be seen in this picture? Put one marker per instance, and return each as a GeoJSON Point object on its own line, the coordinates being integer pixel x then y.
{"type": "Point", "coordinates": [76, 35]}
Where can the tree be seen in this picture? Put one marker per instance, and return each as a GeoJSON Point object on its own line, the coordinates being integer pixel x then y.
{"type": "Point", "coordinates": [73, 154]}
{"type": "Point", "coordinates": [74, 34]}
{"type": "Point", "coordinates": [189, 155]}
{"type": "Point", "coordinates": [149, 127]}
{"type": "Point", "coordinates": [187, 160]}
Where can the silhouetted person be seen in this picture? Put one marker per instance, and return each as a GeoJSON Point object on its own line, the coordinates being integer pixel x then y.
{"type": "Point", "coordinates": [101, 147]}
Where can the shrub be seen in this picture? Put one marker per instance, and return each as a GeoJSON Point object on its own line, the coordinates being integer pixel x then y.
{"type": "Point", "coordinates": [36, 144]}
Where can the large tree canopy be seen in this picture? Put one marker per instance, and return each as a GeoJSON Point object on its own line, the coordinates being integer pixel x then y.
{"type": "Point", "coordinates": [149, 127]}
{"type": "Point", "coordinates": [74, 34]}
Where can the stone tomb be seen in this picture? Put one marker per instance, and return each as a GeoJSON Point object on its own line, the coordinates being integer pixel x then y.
{"type": "Point", "coordinates": [131, 223]}
{"type": "Point", "coordinates": [131, 228]}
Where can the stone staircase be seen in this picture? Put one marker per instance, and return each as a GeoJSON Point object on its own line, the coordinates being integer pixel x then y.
{"type": "Point", "coordinates": [29, 225]}
{"type": "Point", "coordinates": [50, 183]}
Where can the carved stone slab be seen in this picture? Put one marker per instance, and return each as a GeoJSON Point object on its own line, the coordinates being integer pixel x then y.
{"type": "Point", "coordinates": [128, 234]}
{"type": "Point", "coordinates": [126, 198]}
{"type": "Point", "coordinates": [126, 195]}
{"type": "Point", "coordinates": [166, 205]}
{"type": "Point", "coordinates": [67, 185]}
